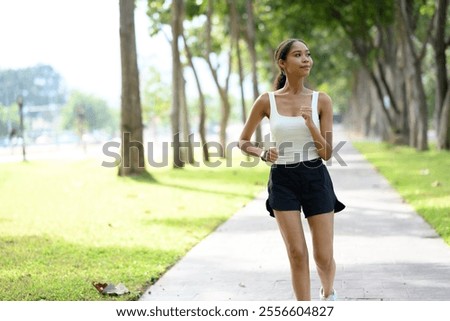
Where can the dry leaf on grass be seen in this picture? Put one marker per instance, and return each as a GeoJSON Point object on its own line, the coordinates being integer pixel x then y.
{"type": "Point", "coordinates": [111, 289]}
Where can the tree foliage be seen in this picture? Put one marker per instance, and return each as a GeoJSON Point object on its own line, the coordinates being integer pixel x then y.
{"type": "Point", "coordinates": [89, 111]}
{"type": "Point", "coordinates": [9, 119]}
{"type": "Point", "coordinates": [156, 98]}
{"type": "Point", "coordinates": [372, 57]}
{"type": "Point", "coordinates": [39, 85]}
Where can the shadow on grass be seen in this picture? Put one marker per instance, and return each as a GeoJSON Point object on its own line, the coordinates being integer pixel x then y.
{"type": "Point", "coordinates": [144, 177]}
{"type": "Point", "coordinates": [197, 224]}
{"type": "Point", "coordinates": [188, 176]}
{"type": "Point", "coordinates": [209, 191]}
{"type": "Point", "coordinates": [43, 268]}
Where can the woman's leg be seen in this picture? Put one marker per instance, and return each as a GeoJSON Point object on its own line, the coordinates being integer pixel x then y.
{"type": "Point", "coordinates": [322, 231]}
{"type": "Point", "coordinates": [291, 230]}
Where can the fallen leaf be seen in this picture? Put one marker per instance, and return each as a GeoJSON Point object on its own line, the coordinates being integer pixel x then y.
{"type": "Point", "coordinates": [100, 286]}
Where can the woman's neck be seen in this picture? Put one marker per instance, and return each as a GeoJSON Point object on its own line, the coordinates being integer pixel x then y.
{"type": "Point", "coordinates": [294, 87]}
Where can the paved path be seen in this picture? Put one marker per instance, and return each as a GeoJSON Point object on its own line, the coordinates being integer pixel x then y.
{"type": "Point", "coordinates": [383, 249]}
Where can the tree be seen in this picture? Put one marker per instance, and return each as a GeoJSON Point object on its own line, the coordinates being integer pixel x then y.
{"type": "Point", "coordinates": [251, 45]}
{"type": "Point", "coordinates": [177, 80]}
{"type": "Point", "coordinates": [392, 52]}
{"type": "Point", "coordinates": [235, 38]}
{"type": "Point", "coordinates": [364, 25]}
{"type": "Point", "coordinates": [202, 104]}
{"type": "Point", "coordinates": [444, 124]}
{"type": "Point", "coordinates": [94, 111]}
{"type": "Point", "coordinates": [164, 13]}
{"type": "Point", "coordinates": [414, 56]}
{"type": "Point", "coordinates": [133, 162]}
{"type": "Point", "coordinates": [9, 120]}
{"type": "Point", "coordinates": [440, 42]}
{"type": "Point", "coordinates": [39, 85]}
{"type": "Point", "coordinates": [156, 100]}
{"type": "Point", "coordinates": [209, 52]}
{"type": "Point", "coordinates": [378, 49]}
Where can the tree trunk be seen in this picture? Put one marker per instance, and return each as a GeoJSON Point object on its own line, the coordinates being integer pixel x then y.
{"type": "Point", "coordinates": [398, 60]}
{"type": "Point", "coordinates": [422, 138]}
{"type": "Point", "coordinates": [388, 129]}
{"type": "Point", "coordinates": [133, 161]}
{"type": "Point", "coordinates": [358, 115]}
{"type": "Point", "coordinates": [414, 84]}
{"type": "Point", "coordinates": [241, 81]}
{"type": "Point", "coordinates": [188, 149]}
{"type": "Point", "coordinates": [444, 132]}
{"type": "Point", "coordinates": [202, 104]}
{"type": "Point", "coordinates": [223, 90]}
{"type": "Point", "coordinates": [235, 37]}
{"type": "Point", "coordinates": [439, 47]}
{"type": "Point", "coordinates": [390, 70]}
{"type": "Point", "coordinates": [251, 36]}
{"type": "Point", "coordinates": [177, 21]}
{"type": "Point", "coordinates": [226, 108]}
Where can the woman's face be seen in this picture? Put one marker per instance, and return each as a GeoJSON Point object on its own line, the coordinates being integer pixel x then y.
{"type": "Point", "coordinates": [298, 60]}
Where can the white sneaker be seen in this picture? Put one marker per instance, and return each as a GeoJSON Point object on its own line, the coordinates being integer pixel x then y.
{"type": "Point", "coordinates": [331, 297]}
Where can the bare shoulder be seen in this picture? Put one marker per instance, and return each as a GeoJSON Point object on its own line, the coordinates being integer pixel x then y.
{"type": "Point", "coordinates": [263, 98]}
{"type": "Point", "coordinates": [324, 98]}
{"type": "Point", "coordinates": [324, 102]}
{"type": "Point", "coordinates": [262, 104]}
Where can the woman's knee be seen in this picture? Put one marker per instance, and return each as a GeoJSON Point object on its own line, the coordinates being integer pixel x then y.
{"type": "Point", "coordinates": [298, 255]}
{"type": "Point", "coordinates": [323, 259]}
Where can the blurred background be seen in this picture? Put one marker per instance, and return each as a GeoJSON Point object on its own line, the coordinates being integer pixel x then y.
{"type": "Point", "coordinates": [384, 63]}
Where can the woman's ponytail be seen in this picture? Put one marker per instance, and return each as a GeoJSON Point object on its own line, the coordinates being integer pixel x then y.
{"type": "Point", "coordinates": [280, 81]}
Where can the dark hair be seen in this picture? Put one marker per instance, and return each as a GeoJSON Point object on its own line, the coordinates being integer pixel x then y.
{"type": "Point", "coordinates": [281, 53]}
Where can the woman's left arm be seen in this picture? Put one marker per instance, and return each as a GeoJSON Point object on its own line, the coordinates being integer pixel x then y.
{"type": "Point", "coordinates": [323, 137]}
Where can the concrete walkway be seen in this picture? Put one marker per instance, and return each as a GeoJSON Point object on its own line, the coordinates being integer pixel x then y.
{"type": "Point", "coordinates": [383, 249]}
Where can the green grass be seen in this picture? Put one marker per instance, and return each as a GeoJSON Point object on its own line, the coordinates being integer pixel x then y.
{"type": "Point", "coordinates": [421, 178]}
{"type": "Point", "coordinates": [66, 224]}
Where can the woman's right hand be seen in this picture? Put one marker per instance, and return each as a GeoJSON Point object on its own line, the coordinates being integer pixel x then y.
{"type": "Point", "coordinates": [272, 155]}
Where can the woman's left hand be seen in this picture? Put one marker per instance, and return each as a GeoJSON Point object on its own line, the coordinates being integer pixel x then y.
{"type": "Point", "coordinates": [306, 113]}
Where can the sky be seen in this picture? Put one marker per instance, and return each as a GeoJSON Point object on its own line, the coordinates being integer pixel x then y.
{"type": "Point", "coordinates": [79, 38]}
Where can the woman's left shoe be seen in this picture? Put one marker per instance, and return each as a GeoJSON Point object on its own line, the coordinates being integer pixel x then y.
{"type": "Point", "coordinates": [331, 297]}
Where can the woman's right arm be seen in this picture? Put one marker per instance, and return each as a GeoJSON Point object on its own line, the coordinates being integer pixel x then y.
{"type": "Point", "coordinates": [259, 110]}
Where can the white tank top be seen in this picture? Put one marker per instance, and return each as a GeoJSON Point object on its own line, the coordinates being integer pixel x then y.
{"type": "Point", "coordinates": [290, 134]}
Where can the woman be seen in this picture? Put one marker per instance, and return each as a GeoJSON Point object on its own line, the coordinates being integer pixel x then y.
{"type": "Point", "coordinates": [301, 123]}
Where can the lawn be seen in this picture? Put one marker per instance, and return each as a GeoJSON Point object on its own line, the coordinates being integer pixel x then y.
{"type": "Point", "coordinates": [66, 224]}
{"type": "Point", "coordinates": [421, 178]}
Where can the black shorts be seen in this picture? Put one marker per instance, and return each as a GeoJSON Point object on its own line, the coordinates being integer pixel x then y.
{"type": "Point", "coordinates": [304, 186]}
